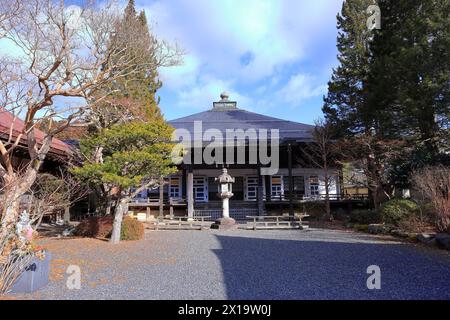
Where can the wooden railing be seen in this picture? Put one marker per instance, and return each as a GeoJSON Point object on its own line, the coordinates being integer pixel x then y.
{"type": "Point", "coordinates": [321, 197]}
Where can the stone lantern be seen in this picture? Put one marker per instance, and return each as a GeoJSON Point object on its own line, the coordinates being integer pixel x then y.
{"type": "Point", "coordinates": [225, 192]}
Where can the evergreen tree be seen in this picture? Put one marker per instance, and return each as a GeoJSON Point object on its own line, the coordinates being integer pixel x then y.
{"type": "Point", "coordinates": [133, 96]}
{"type": "Point", "coordinates": [135, 156]}
{"type": "Point", "coordinates": [409, 77]}
{"type": "Point", "coordinates": [348, 107]}
{"type": "Point", "coordinates": [412, 66]}
{"type": "Point", "coordinates": [389, 96]}
{"type": "Point", "coordinates": [346, 103]}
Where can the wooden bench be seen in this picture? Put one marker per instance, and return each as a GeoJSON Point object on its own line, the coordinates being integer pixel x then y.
{"type": "Point", "coordinates": [181, 223]}
{"type": "Point", "coordinates": [276, 222]}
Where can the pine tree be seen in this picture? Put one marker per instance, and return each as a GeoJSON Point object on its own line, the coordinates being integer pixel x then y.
{"type": "Point", "coordinates": [410, 78]}
{"type": "Point", "coordinates": [412, 67]}
{"type": "Point", "coordinates": [389, 95]}
{"type": "Point", "coordinates": [348, 107]}
{"type": "Point", "coordinates": [346, 103]}
{"type": "Point", "coordinates": [129, 98]}
{"type": "Point", "coordinates": [136, 155]}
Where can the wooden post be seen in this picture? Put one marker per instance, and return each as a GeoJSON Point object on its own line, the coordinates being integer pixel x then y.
{"type": "Point", "coordinates": [260, 195]}
{"type": "Point", "coordinates": [161, 197]}
{"type": "Point", "coordinates": [149, 213]}
{"type": "Point", "coordinates": [190, 193]}
{"type": "Point", "coordinates": [291, 183]}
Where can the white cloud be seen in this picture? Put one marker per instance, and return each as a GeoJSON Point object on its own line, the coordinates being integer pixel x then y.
{"type": "Point", "coordinates": [242, 46]}
{"type": "Point", "coordinates": [299, 88]}
{"type": "Point", "coordinates": [208, 90]}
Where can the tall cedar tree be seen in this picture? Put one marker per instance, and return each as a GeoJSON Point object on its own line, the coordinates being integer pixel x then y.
{"type": "Point", "coordinates": [130, 98]}
{"type": "Point", "coordinates": [410, 78]}
{"type": "Point", "coordinates": [347, 106]}
{"type": "Point", "coordinates": [346, 103]}
{"type": "Point", "coordinates": [133, 96]}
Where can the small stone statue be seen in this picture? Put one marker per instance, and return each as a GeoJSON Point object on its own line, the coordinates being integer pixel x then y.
{"type": "Point", "coordinates": [23, 227]}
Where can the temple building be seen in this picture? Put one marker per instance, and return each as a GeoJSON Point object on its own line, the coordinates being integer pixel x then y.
{"type": "Point", "coordinates": [262, 153]}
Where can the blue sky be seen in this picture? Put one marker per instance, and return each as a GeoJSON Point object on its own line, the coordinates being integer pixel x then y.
{"type": "Point", "coordinates": [272, 56]}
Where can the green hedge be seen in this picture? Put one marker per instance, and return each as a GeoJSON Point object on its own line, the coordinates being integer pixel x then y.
{"type": "Point", "coordinates": [396, 210]}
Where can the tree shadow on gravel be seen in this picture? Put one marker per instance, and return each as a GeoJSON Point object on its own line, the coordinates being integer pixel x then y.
{"type": "Point", "coordinates": [255, 268]}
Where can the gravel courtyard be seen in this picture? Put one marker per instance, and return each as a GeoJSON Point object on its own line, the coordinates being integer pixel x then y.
{"type": "Point", "coordinates": [311, 264]}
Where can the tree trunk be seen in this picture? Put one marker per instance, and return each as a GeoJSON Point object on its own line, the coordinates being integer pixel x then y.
{"type": "Point", "coordinates": [121, 208]}
{"type": "Point", "coordinates": [327, 196]}
{"type": "Point", "coordinates": [108, 204]}
{"type": "Point", "coordinates": [18, 185]}
{"type": "Point", "coordinates": [16, 188]}
{"type": "Point", "coordinates": [10, 212]}
{"type": "Point", "coordinates": [377, 197]}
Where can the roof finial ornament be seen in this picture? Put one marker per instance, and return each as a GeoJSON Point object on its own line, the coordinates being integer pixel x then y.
{"type": "Point", "coordinates": [224, 96]}
{"type": "Point", "coordinates": [224, 104]}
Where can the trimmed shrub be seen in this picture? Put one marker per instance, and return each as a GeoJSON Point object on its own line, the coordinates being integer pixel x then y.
{"type": "Point", "coordinates": [362, 216]}
{"type": "Point", "coordinates": [101, 227]}
{"type": "Point", "coordinates": [396, 210]}
{"type": "Point", "coordinates": [131, 229]}
{"type": "Point", "coordinates": [95, 227]}
{"type": "Point", "coordinates": [361, 227]}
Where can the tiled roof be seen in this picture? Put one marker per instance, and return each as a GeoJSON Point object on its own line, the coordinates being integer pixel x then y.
{"type": "Point", "coordinates": [7, 120]}
{"type": "Point", "coordinates": [234, 118]}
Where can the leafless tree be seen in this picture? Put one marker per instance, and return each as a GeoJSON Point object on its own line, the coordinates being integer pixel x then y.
{"type": "Point", "coordinates": [372, 155]}
{"type": "Point", "coordinates": [433, 184]}
{"type": "Point", "coordinates": [320, 154]}
{"type": "Point", "coordinates": [53, 193]}
{"type": "Point", "coordinates": [8, 10]}
{"type": "Point", "coordinates": [64, 54]}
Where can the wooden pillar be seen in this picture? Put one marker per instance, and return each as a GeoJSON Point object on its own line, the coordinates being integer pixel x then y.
{"type": "Point", "coordinates": [190, 193]}
{"type": "Point", "coordinates": [183, 184]}
{"type": "Point", "coordinates": [260, 195]}
{"type": "Point", "coordinates": [161, 197]}
{"type": "Point", "coordinates": [291, 182]}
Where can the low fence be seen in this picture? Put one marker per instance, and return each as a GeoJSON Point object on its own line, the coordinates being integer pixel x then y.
{"type": "Point", "coordinates": [236, 214]}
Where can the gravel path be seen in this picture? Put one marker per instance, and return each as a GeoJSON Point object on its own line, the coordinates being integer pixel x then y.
{"type": "Point", "coordinates": [312, 264]}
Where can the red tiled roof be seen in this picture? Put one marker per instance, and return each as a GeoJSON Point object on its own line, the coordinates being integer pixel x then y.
{"type": "Point", "coordinates": [7, 119]}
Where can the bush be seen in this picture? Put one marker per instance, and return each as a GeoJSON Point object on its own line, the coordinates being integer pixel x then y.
{"type": "Point", "coordinates": [316, 209]}
{"type": "Point", "coordinates": [432, 184]}
{"type": "Point", "coordinates": [341, 215]}
{"type": "Point", "coordinates": [95, 227]}
{"type": "Point", "coordinates": [396, 210]}
{"type": "Point", "coordinates": [361, 227]}
{"type": "Point", "coordinates": [362, 216]}
{"type": "Point", "coordinates": [101, 227]}
{"type": "Point", "coordinates": [131, 229]}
